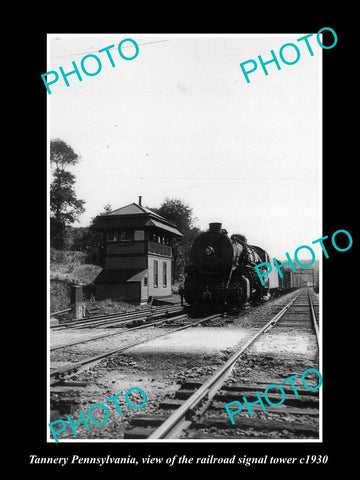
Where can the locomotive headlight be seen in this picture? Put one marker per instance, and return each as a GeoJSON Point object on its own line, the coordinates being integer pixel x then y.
{"type": "Point", "coordinates": [209, 250]}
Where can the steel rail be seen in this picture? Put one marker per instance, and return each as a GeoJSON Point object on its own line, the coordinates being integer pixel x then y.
{"type": "Point", "coordinates": [151, 315]}
{"type": "Point", "coordinates": [104, 335]}
{"type": "Point", "coordinates": [123, 321]}
{"type": "Point", "coordinates": [179, 421]}
{"type": "Point", "coordinates": [60, 311]}
{"type": "Point", "coordinates": [313, 318]}
{"type": "Point", "coordinates": [144, 309]}
{"type": "Point", "coordinates": [56, 374]}
{"type": "Point", "coordinates": [114, 318]}
{"type": "Point", "coordinates": [86, 321]}
{"type": "Point", "coordinates": [103, 316]}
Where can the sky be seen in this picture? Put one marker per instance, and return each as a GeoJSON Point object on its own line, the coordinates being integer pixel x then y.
{"type": "Point", "coordinates": [180, 121]}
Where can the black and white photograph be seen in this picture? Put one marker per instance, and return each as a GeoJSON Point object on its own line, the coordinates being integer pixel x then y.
{"type": "Point", "coordinates": [189, 251]}
{"type": "Point", "coordinates": [173, 175]}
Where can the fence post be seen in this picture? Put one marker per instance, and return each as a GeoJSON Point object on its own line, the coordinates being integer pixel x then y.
{"type": "Point", "coordinates": [77, 302]}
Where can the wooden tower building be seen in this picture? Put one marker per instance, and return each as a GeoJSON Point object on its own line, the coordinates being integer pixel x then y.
{"type": "Point", "coordinates": [137, 254]}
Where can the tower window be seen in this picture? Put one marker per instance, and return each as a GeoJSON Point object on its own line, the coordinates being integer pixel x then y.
{"type": "Point", "coordinates": [113, 236]}
{"type": "Point", "coordinates": [164, 274]}
{"type": "Point", "coordinates": [125, 236]}
{"type": "Point", "coordinates": [156, 273]}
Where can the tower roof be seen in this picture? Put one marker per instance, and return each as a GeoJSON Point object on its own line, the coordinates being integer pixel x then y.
{"type": "Point", "coordinates": [136, 209]}
{"type": "Point", "coordinates": [135, 215]}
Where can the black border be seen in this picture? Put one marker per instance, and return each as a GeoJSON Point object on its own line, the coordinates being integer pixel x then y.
{"type": "Point", "coordinates": [338, 201]}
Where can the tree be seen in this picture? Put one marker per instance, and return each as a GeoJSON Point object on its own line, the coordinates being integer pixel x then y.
{"type": "Point", "coordinates": [181, 214]}
{"type": "Point", "coordinates": [89, 240]}
{"type": "Point", "coordinates": [65, 207]}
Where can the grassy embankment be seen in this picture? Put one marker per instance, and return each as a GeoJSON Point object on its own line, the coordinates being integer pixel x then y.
{"type": "Point", "coordinates": [70, 267]}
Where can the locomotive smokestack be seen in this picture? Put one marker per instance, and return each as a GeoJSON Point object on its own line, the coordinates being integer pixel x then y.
{"type": "Point", "coordinates": [140, 197]}
{"type": "Point", "coordinates": [215, 227]}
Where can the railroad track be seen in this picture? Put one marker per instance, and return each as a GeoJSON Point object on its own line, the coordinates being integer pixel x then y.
{"type": "Point", "coordinates": [58, 376]}
{"type": "Point", "coordinates": [94, 338]}
{"type": "Point", "coordinates": [129, 325]}
{"type": "Point", "coordinates": [118, 319]}
{"type": "Point", "coordinates": [198, 408]}
{"type": "Point", "coordinates": [144, 325]}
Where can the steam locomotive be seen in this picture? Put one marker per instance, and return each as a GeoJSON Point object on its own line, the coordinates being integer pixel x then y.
{"type": "Point", "coordinates": [221, 274]}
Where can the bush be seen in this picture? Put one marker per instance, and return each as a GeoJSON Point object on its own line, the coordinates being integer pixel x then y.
{"type": "Point", "coordinates": [70, 266]}
{"type": "Point", "coordinates": [86, 274]}
{"type": "Point", "coordinates": [67, 257]}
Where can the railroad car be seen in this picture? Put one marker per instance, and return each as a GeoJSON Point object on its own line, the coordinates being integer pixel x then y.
{"type": "Point", "coordinates": [286, 282]}
{"type": "Point", "coordinates": [221, 274]}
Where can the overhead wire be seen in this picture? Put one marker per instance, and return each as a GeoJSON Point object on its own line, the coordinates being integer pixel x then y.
{"type": "Point", "coordinates": [97, 51]}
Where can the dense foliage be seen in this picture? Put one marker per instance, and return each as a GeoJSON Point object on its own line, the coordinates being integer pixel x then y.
{"type": "Point", "coordinates": [65, 207]}
{"type": "Point", "coordinates": [181, 214]}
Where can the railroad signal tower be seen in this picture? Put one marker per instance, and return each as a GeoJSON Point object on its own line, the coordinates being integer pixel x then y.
{"type": "Point", "coordinates": [136, 254]}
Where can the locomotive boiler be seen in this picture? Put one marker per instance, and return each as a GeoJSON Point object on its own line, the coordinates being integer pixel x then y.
{"type": "Point", "coordinates": [221, 274]}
